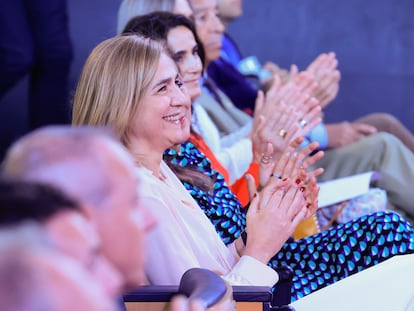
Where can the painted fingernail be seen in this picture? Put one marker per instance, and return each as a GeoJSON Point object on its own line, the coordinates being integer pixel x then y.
{"type": "Point", "coordinates": [309, 205]}
{"type": "Point", "coordinates": [297, 181]}
{"type": "Point", "coordinates": [302, 188]}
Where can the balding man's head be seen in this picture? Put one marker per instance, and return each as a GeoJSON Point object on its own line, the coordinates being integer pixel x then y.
{"type": "Point", "coordinates": [94, 169]}
{"type": "Point", "coordinates": [74, 159]}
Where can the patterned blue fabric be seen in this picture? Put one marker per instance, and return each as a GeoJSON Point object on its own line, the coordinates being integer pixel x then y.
{"type": "Point", "coordinates": [221, 206]}
{"type": "Point", "coordinates": [318, 260]}
{"type": "Point", "coordinates": [327, 257]}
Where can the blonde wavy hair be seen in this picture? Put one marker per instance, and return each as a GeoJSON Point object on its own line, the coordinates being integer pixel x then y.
{"type": "Point", "coordinates": [113, 81]}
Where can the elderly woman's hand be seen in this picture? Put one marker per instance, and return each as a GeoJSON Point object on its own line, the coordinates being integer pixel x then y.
{"type": "Point", "coordinates": [285, 113]}
{"type": "Point", "coordinates": [327, 76]}
{"type": "Point", "coordinates": [272, 217]}
{"type": "Point", "coordinates": [292, 163]}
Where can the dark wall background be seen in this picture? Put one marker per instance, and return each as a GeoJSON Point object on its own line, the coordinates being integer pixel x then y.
{"type": "Point", "coordinates": [373, 39]}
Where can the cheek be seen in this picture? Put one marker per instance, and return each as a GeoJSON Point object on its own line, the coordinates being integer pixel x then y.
{"type": "Point", "coordinates": [202, 32]}
{"type": "Point", "coordinates": [193, 64]}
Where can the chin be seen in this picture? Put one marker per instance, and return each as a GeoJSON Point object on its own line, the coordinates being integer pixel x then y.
{"type": "Point", "coordinates": [194, 94]}
{"type": "Point", "coordinates": [213, 55]}
{"type": "Point", "coordinates": [180, 137]}
{"type": "Point", "coordinates": [185, 136]}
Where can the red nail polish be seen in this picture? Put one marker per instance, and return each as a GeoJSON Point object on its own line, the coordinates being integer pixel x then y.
{"type": "Point", "coordinates": [302, 188]}
{"type": "Point", "coordinates": [297, 181]}
{"type": "Point", "coordinates": [309, 205]}
{"type": "Point", "coordinates": [254, 195]}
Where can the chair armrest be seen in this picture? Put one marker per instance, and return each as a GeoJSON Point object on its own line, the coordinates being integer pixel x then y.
{"type": "Point", "coordinates": [151, 293]}
{"type": "Point", "coordinates": [282, 295]}
{"type": "Point", "coordinates": [210, 289]}
{"type": "Point", "coordinates": [204, 285]}
{"type": "Point", "coordinates": [241, 294]}
{"type": "Point", "coordinates": [162, 293]}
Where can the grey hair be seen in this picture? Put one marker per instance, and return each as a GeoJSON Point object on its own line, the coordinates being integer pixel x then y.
{"type": "Point", "coordinates": [130, 8]}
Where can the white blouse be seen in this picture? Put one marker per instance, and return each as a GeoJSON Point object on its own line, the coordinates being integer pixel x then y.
{"type": "Point", "coordinates": [185, 238]}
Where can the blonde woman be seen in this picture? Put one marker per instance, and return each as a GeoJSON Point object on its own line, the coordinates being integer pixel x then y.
{"type": "Point", "coordinates": [131, 85]}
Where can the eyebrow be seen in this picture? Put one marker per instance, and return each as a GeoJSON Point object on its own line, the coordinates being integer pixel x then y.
{"type": "Point", "coordinates": [165, 81]}
{"type": "Point", "coordinates": [179, 53]}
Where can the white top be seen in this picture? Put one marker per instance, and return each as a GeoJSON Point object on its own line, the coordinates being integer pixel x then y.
{"type": "Point", "coordinates": [234, 151]}
{"type": "Point", "coordinates": [185, 238]}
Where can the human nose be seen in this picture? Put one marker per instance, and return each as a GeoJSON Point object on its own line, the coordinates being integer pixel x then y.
{"type": "Point", "coordinates": [195, 64]}
{"type": "Point", "coordinates": [217, 24]}
{"type": "Point", "coordinates": [192, 65]}
{"type": "Point", "coordinates": [180, 96]}
{"type": "Point", "coordinates": [110, 278]}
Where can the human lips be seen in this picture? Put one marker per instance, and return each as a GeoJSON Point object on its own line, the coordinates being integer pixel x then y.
{"type": "Point", "coordinates": [192, 81]}
{"type": "Point", "coordinates": [178, 118]}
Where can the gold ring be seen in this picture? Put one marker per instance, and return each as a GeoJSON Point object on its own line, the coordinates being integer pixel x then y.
{"type": "Point", "coordinates": [265, 159]}
{"type": "Point", "coordinates": [282, 133]}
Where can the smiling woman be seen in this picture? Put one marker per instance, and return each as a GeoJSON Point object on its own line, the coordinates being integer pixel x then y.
{"type": "Point", "coordinates": [131, 84]}
{"type": "Point", "coordinates": [153, 114]}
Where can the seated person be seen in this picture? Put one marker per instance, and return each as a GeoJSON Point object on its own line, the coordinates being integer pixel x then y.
{"type": "Point", "coordinates": [379, 152]}
{"type": "Point", "coordinates": [179, 35]}
{"type": "Point", "coordinates": [63, 222]}
{"type": "Point", "coordinates": [154, 114]}
{"type": "Point", "coordinates": [231, 134]}
{"type": "Point", "coordinates": [224, 71]}
{"type": "Point", "coordinates": [92, 168]}
{"type": "Point", "coordinates": [36, 276]}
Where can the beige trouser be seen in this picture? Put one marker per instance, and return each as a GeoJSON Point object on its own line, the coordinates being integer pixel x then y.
{"type": "Point", "coordinates": [385, 122]}
{"type": "Point", "coordinates": [383, 153]}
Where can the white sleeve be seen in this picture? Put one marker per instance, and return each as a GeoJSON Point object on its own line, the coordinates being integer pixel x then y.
{"type": "Point", "coordinates": [237, 158]}
{"type": "Point", "coordinates": [230, 139]}
{"type": "Point", "coordinates": [234, 151]}
{"type": "Point", "coordinates": [249, 271]}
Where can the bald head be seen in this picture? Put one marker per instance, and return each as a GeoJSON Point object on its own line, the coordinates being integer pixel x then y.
{"type": "Point", "coordinates": [73, 159]}
{"type": "Point", "coordinates": [95, 170]}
